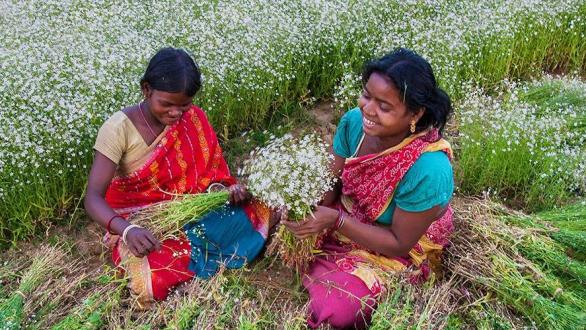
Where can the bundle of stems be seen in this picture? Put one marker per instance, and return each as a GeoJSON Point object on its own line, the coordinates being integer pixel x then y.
{"type": "Point", "coordinates": [294, 252]}
{"type": "Point", "coordinates": [549, 244]}
{"type": "Point", "coordinates": [45, 264]}
{"type": "Point", "coordinates": [293, 173]}
{"type": "Point", "coordinates": [166, 219]}
{"type": "Point", "coordinates": [523, 266]}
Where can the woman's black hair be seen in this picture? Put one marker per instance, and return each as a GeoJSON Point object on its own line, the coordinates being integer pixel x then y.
{"type": "Point", "coordinates": [413, 77]}
{"type": "Point", "coordinates": [173, 70]}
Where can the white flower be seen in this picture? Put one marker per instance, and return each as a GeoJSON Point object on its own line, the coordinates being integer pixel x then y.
{"type": "Point", "coordinates": [290, 172]}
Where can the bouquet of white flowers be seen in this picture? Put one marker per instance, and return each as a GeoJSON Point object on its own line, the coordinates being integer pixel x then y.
{"type": "Point", "coordinates": [295, 174]}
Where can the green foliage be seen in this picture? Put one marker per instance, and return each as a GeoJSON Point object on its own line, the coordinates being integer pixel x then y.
{"type": "Point", "coordinates": [11, 312]}
{"type": "Point", "coordinates": [523, 152]}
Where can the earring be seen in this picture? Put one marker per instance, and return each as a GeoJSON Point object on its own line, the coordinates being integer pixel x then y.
{"type": "Point", "coordinates": [413, 122]}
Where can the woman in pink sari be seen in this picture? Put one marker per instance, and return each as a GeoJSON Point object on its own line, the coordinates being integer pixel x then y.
{"type": "Point", "coordinates": [391, 211]}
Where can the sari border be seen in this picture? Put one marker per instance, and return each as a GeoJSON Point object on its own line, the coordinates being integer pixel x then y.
{"type": "Point", "coordinates": [405, 142]}
{"type": "Point", "coordinates": [440, 145]}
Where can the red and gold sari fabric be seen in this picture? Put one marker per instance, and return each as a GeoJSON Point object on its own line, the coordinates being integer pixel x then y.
{"type": "Point", "coordinates": [186, 161]}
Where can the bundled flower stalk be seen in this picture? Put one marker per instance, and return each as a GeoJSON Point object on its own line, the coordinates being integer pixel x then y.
{"type": "Point", "coordinates": [166, 219]}
{"type": "Point", "coordinates": [45, 265]}
{"type": "Point", "coordinates": [294, 174]}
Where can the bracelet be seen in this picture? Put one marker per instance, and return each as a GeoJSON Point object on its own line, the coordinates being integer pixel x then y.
{"type": "Point", "coordinates": [215, 185]}
{"type": "Point", "coordinates": [126, 230]}
{"type": "Point", "coordinates": [110, 222]}
{"type": "Point", "coordinates": [341, 220]}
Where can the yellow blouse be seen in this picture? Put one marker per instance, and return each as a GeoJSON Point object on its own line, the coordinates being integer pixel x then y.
{"type": "Point", "coordinates": [119, 140]}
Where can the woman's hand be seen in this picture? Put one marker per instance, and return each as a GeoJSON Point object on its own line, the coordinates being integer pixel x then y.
{"type": "Point", "coordinates": [323, 218]}
{"type": "Point", "coordinates": [141, 242]}
{"type": "Point", "coordinates": [238, 194]}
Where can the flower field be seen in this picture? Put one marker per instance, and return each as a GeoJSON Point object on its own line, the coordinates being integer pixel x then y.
{"type": "Point", "coordinates": [515, 70]}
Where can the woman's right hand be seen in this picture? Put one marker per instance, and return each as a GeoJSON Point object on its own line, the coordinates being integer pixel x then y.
{"type": "Point", "coordinates": [141, 242]}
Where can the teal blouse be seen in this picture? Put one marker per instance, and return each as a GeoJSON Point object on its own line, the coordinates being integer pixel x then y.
{"type": "Point", "coordinates": [429, 182]}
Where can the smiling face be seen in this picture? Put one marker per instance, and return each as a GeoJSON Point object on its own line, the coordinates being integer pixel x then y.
{"type": "Point", "coordinates": [384, 115]}
{"type": "Point", "coordinates": [166, 107]}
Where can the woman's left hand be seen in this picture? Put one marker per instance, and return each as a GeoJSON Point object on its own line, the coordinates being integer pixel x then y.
{"type": "Point", "coordinates": [238, 194]}
{"type": "Point", "coordinates": [323, 218]}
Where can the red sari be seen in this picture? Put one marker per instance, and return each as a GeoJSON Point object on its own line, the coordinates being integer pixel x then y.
{"type": "Point", "coordinates": [368, 185]}
{"type": "Point", "coordinates": [186, 161]}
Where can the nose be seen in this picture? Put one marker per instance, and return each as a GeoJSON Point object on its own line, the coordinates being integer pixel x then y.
{"type": "Point", "coordinates": [366, 106]}
{"type": "Point", "coordinates": [176, 112]}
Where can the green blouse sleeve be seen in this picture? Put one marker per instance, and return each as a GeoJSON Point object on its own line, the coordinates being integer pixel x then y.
{"type": "Point", "coordinates": [428, 183]}
{"type": "Point", "coordinates": [348, 133]}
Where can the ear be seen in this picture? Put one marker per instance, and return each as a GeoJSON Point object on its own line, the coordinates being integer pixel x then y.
{"type": "Point", "coordinates": [417, 115]}
{"type": "Point", "coordinates": [146, 89]}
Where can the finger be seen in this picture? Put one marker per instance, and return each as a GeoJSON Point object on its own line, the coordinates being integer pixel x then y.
{"type": "Point", "coordinates": [291, 228]}
{"type": "Point", "coordinates": [237, 197]}
{"type": "Point", "coordinates": [302, 236]}
{"type": "Point", "coordinates": [303, 224]}
{"type": "Point", "coordinates": [146, 240]}
{"type": "Point", "coordinates": [137, 250]}
{"type": "Point", "coordinates": [147, 244]}
{"type": "Point", "coordinates": [141, 246]}
{"type": "Point", "coordinates": [133, 250]}
{"type": "Point", "coordinates": [306, 233]}
{"type": "Point", "coordinates": [290, 224]}
{"type": "Point", "coordinates": [234, 188]}
{"type": "Point", "coordinates": [140, 249]}
{"type": "Point", "coordinates": [155, 242]}
{"type": "Point", "coordinates": [242, 194]}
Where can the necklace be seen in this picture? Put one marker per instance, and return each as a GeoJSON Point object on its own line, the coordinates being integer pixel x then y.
{"type": "Point", "coordinates": [146, 122]}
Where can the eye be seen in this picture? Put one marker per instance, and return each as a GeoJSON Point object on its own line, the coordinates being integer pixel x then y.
{"type": "Point", "coordinates": [365, 94]}
{"type": "Point", "coordinates": [385, 107]}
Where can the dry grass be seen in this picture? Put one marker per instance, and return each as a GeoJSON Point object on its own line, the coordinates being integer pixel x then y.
{"type": "Point", "coordinates": [489, 282]}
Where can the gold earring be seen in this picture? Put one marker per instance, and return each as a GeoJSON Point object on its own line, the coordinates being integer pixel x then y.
{"type": "Point", "coordinates": [412, 126]}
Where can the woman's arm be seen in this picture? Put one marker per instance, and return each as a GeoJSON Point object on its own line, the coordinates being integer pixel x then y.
{"type": "Point", "coordinates": [140, 241]}
{"type": "Point", "coordinates": [396, 240]}
{"type": "Point", "coordinates": [336, 166]}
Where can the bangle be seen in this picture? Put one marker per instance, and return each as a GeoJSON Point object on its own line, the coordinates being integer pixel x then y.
{"type": "Point", "coordinates": [108, 229]}
{"type": "Point", "coordinates": [126, 230]}
{"type": "Point", "coordinates": [341, 219]}
{"type": "Point", "coordinates": [216, 185]}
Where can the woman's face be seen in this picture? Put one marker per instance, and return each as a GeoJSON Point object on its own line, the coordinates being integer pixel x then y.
{"type": "Point", "coordinates": [166, 107]}
{"type": "Point", "coordinates": [383, 112]}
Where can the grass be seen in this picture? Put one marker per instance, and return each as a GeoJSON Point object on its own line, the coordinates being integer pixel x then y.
{"type": "Point", "coordinates": [489, 282]}
{"type": "Point", "coordinates": [494, 257]}
{"type": "Point", "coordinates": [524, 145]}
{"type": "Point", "coordinates": [43, 267]}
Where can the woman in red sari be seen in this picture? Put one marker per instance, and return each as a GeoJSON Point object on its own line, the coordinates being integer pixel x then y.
{"type": "Point", "coordinates": [150, 151]}
{"type": "Point", "coordinates": [391, 211]}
